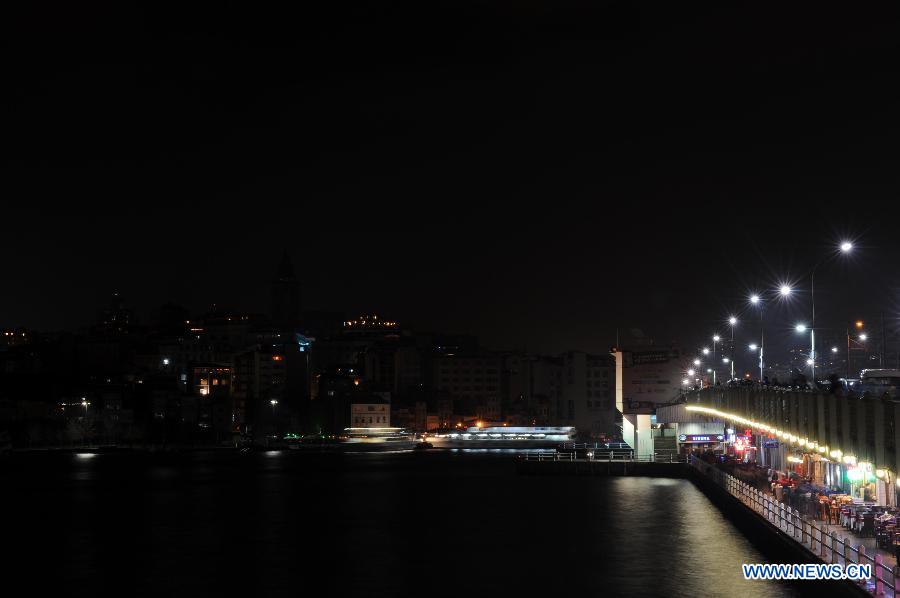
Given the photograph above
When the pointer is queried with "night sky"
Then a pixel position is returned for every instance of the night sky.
(536, 173)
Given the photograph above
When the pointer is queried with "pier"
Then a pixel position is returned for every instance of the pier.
(610, 463)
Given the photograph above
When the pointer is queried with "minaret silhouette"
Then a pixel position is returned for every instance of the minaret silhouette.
(285, 295)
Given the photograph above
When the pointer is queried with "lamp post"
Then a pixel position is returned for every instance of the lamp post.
(845, 247)
(715, 339)
(801, 328)
(757, 302)
(757, 348)
(733, 322)
(861, 339)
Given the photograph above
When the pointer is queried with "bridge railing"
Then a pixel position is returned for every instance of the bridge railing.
(826, 545)
(604, 457)
(599, 446)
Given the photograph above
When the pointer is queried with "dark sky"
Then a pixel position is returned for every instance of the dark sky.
(538, 173)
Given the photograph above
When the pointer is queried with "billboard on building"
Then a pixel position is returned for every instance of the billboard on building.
(648, 377)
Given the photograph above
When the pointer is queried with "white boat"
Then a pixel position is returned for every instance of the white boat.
(377, 439)
(503, 437)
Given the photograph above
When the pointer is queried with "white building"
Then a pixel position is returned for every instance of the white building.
(645, 377)
(370, 415)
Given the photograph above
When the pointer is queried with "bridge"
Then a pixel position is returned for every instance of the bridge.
(829, 433)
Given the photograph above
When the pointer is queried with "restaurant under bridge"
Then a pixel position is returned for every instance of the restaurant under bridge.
(840, 442)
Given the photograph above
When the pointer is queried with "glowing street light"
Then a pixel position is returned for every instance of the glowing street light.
(834, 349)
(756, 302)
(733, 321)
(845, 247)
(800, 328)
(705, 351)
(753, 346)
(725, 360)
(716, 338)
(696, 362)
(863, 336)
(785, 290)
(809, 362)
(690, 372)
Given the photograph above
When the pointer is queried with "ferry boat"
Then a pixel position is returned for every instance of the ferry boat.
(377, 439)
(503, 437)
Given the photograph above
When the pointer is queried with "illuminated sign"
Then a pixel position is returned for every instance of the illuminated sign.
(701, 438)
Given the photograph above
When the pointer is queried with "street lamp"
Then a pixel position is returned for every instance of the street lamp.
(845, 248)
(801, 328)
(862, 338)
(696, 362)
(756, 302)
(733, 322)
(785, 290)
(715, 339)
(705, 351)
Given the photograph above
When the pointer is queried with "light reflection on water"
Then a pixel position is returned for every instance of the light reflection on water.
(398, 524)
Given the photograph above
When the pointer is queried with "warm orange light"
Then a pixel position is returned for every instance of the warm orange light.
(356, 382)
(277, 358)
(859, 323)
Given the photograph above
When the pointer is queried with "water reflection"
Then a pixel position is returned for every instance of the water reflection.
(396, 524)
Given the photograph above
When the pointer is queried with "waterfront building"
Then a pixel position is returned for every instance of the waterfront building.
(473, 381)
(677, 430)
(646, 376)
(370, 412)
(587, 395)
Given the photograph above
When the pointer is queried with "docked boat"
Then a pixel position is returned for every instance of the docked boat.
(523, 437)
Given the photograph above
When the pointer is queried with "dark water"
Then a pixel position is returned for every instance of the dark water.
(285, 524)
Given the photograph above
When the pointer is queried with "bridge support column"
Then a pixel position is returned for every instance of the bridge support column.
(636, 430)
